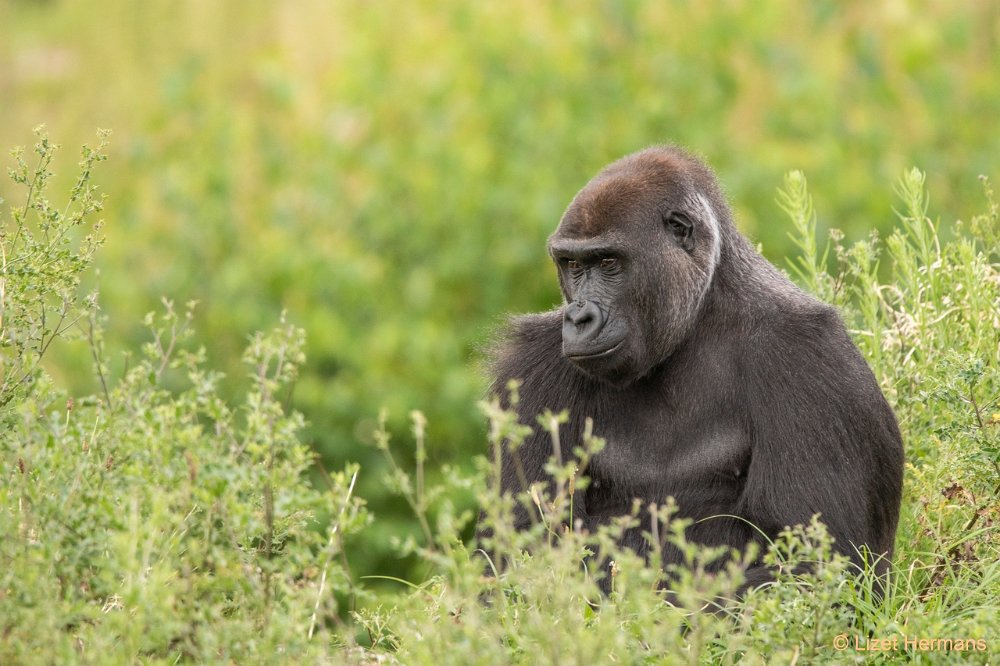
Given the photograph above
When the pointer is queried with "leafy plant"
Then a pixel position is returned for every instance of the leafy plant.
(930, 333)
(389, 173)
(159, 520)
(154, 521)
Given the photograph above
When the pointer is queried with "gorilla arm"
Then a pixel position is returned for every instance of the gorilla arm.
(824, 439)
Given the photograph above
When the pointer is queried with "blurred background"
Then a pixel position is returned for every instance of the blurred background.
(388, 171)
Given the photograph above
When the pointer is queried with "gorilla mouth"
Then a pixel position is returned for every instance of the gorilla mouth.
(589, 356)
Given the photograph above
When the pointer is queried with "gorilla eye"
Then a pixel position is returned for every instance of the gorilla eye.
(572, 264)
(608, 262)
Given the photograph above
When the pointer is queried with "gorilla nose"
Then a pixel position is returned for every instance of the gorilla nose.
(583, 320)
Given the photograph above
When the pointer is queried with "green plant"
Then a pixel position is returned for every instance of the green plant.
(389, 173)
(161, 521)
(153, 521)
(930, 333)
(40, 267)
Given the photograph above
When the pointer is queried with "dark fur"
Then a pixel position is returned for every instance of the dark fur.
(738, 394)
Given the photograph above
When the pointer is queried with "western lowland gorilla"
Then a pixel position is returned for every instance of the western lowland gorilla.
(713, 379)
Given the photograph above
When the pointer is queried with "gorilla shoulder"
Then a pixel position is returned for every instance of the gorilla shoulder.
(530, 351)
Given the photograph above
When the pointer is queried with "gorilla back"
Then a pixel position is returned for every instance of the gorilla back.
(713, 378)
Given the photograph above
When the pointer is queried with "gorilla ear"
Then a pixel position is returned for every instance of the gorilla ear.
(681, 228)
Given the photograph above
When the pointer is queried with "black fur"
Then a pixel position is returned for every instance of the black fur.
(734, 392)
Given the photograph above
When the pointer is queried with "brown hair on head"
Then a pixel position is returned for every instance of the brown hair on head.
(628, 183)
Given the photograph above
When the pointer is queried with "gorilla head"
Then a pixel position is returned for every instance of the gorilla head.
(659, 211)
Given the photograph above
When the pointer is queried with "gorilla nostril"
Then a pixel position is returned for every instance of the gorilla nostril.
(581, 316)
(586, 318)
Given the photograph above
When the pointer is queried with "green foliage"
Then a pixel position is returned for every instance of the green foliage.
(389, 171)
(159, 521)
(388, 174)
(930, 332)
(151, 522)
(40, 268)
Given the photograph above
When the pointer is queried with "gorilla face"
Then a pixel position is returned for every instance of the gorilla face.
(636, 251)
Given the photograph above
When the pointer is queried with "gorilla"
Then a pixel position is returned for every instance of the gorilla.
(713, 378)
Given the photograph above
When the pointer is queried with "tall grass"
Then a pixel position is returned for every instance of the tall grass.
(389, 171)
(158, 521)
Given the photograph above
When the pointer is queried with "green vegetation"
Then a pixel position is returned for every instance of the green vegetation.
(386, 173)
(158, 521)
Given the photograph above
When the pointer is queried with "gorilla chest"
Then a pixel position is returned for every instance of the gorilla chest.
(698, 455)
